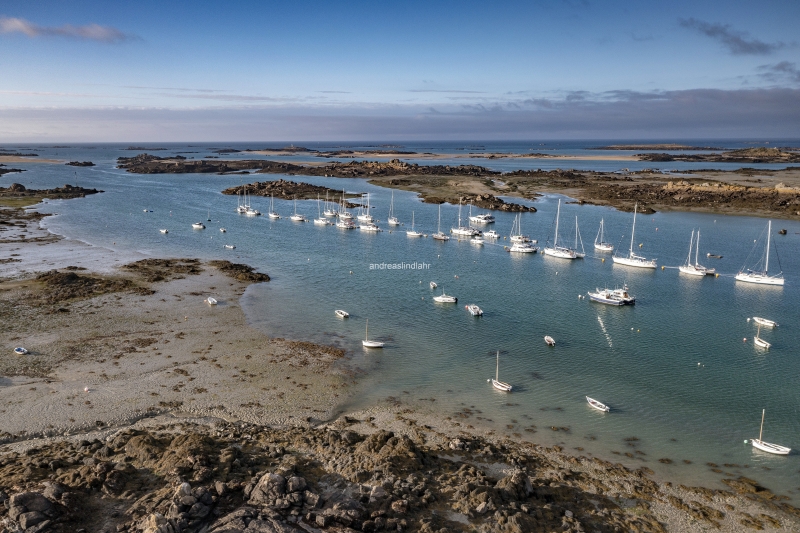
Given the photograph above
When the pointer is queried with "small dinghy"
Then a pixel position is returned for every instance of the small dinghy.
(211, 301)
(230, 246)
(474, 310)
(341, 313)
(600, 406)
(164, 231)
(768, 446)
(222, 230)
(19, 350)
(549, 340)
(433, 285)
(765, 322)
(198, 225)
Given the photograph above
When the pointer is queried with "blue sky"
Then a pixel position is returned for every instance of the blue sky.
(238, 71)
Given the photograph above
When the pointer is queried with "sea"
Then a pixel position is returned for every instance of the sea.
(684, 381)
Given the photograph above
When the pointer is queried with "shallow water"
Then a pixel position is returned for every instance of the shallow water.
(673, 367)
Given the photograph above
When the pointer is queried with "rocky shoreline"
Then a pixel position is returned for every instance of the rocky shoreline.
(746, 156)
(17, 192)
(288, 190)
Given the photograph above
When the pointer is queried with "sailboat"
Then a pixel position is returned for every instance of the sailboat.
(439, 236)
(761, 276)
(766, 446)
(329, 211)
(556, 250)
(297, 217)
(582, 253)
(633, 259)
(413, 232)
(368, 343)
(463, 231)
(241, 207)
(517, 225)
(364, 216)
(343, 212)
(695, 269)
(599, 243)
(496, 383)
(272, 213)
(758, 341)
(321, 220)
(392, 220)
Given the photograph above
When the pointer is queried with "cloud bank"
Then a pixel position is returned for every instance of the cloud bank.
(736, 42)
(89, 32)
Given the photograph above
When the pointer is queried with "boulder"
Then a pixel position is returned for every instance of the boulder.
(268, 489)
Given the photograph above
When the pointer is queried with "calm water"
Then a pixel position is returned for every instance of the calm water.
(673, 367)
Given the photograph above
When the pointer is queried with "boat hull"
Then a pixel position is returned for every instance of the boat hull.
(604, 247)
(761, 279)
(770, 448)
(501, 386)
(765, 322)
(635, 262)
(761, 343)
(604, 300)
(561, 253)
(600, 406)
(372, 344)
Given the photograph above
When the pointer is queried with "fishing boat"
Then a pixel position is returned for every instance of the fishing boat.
(433, 285)
(19, 350)
(445, 298)
(758, 341)
(474, 310)
(364, 216)
(765, 322)
(463, 231)
(368, 343)
(767, 446)
(612, 297)
(523, 248)
(198, 225)
(413, 232)
(600, 406)
(695, 269)
(164, 231)
(517, 226)
(632, 259)
(272, 213)
(369, 226)
(392, 220)
(549, 340)
(761, 276)
(439, 236)
(599, 243)
(230, 246)
(555, 250)
(341, 313)
(491, 234)
(329, 211)
(496, 383)
(297, 217)
(211, 301)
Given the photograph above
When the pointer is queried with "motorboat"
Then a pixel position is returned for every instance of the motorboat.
(433, 285)
(413, 232)
(198, 225)
(369, 226)
(341, 313)
(19, 350)
(345, 223)
(695, 268)
(222, 230)
(599, 243)
(496, 383)
(549, 340)
(632, 259)
(761, 276)
(555, 250)
(483, 218)
(491, 234)
(211, 301)
(474, 310)
(600, 406)
(164, 231)
(612, 297)
(230, 246)
(765, 322)
(477, 241)
(767, 446)
(445, 298)
(523, 247)
(368, 343)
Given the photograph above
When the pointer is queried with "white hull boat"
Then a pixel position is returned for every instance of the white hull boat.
(345, 223)
(321, 221)
(767, 446)
(445, 298)
(758, 341)
(368, 343)
(222, 230)
(392, 220)
(272, 213)
(632, 259)
(762, 277)
(600, 406)
(695, 269)
(609, 297)
(561, 252)
(211, 301)
(19, 350)
(599, 242)
(496, 383)
(474, 310)
(341, 313)
(364, 216)
(476, 241)
(484, 218)
(413, 232)
(230, 246)
(369, 226)
(463, 231)
(198, 225)
(433, 285)
(765, 322)
(549, 340)
(328, 211)
(164, 231)
(491, 234)
(297, 217)
(523, 248)
(253, 212)
(439, 236)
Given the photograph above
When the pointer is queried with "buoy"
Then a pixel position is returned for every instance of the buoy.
(603, 260)
(662, 267)
(86, 389)
(638, 330)
(744, 339)
(698, 364)
(640, 244)
(631, 329)
(716, 275)
(351, 272)
(656, 229)
(748, 319)
(745, 440)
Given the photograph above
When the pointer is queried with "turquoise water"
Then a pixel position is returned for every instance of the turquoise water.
(641, 360)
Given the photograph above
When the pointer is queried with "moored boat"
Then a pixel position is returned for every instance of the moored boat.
(445, 298)
(761, 276)
(474, 310)
(632, 259)
(198, 225)
(341, 313)
(600, 406)
(19, 350)
(549, 340)
(496, 383)
(765, 322)
(612, 297)
(165, 231)
(368, 343)
(768, 446)
(211, 301)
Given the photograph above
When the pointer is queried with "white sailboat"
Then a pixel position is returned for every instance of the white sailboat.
(578, 238)
(516, 225)
(343, 212)
(599, 242)
(439, 236)
(695, 269)
(392, 220)
(272, 213)
(767, 446)
(520, 243)
(496, 383)
(413, 232)
(329, 211)
(463, 231)
(297, 217)
(761, 276)
(241, 207)
(632, 259)
(758, 341)
(555, 250)
(364, 216)
(767, 323)
(321, 220)
(249, 211)
(368, 343)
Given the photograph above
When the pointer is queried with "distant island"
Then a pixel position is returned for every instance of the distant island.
(665, 146)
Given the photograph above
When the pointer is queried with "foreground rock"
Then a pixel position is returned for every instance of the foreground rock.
(17, 190)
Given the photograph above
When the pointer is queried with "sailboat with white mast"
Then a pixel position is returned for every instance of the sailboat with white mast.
(329, 211)
(463, 231)
(321, 220)
(578, 238)
(762, 276)
(343, 212)
(767, 446)
(496, 383)
(368, 343)
(364, 216)
(297, 217)
(272, 213)
(555, 250)
(439, 236)
(695, 269)
(392, 220)
(413, 232)
(599, 243)
(520, 243)
(632, 259)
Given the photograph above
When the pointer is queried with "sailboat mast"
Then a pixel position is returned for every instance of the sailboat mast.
(366, 331)
(439, 223)
(634, 225)
(576, 232)
(761, 431)
(691, 242)
(697, 247)
(558, 214)
(769, 230)
(497, 371)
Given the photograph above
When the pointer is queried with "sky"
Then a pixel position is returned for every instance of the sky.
(437, 70)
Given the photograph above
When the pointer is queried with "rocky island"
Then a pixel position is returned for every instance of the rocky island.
(80, 164)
